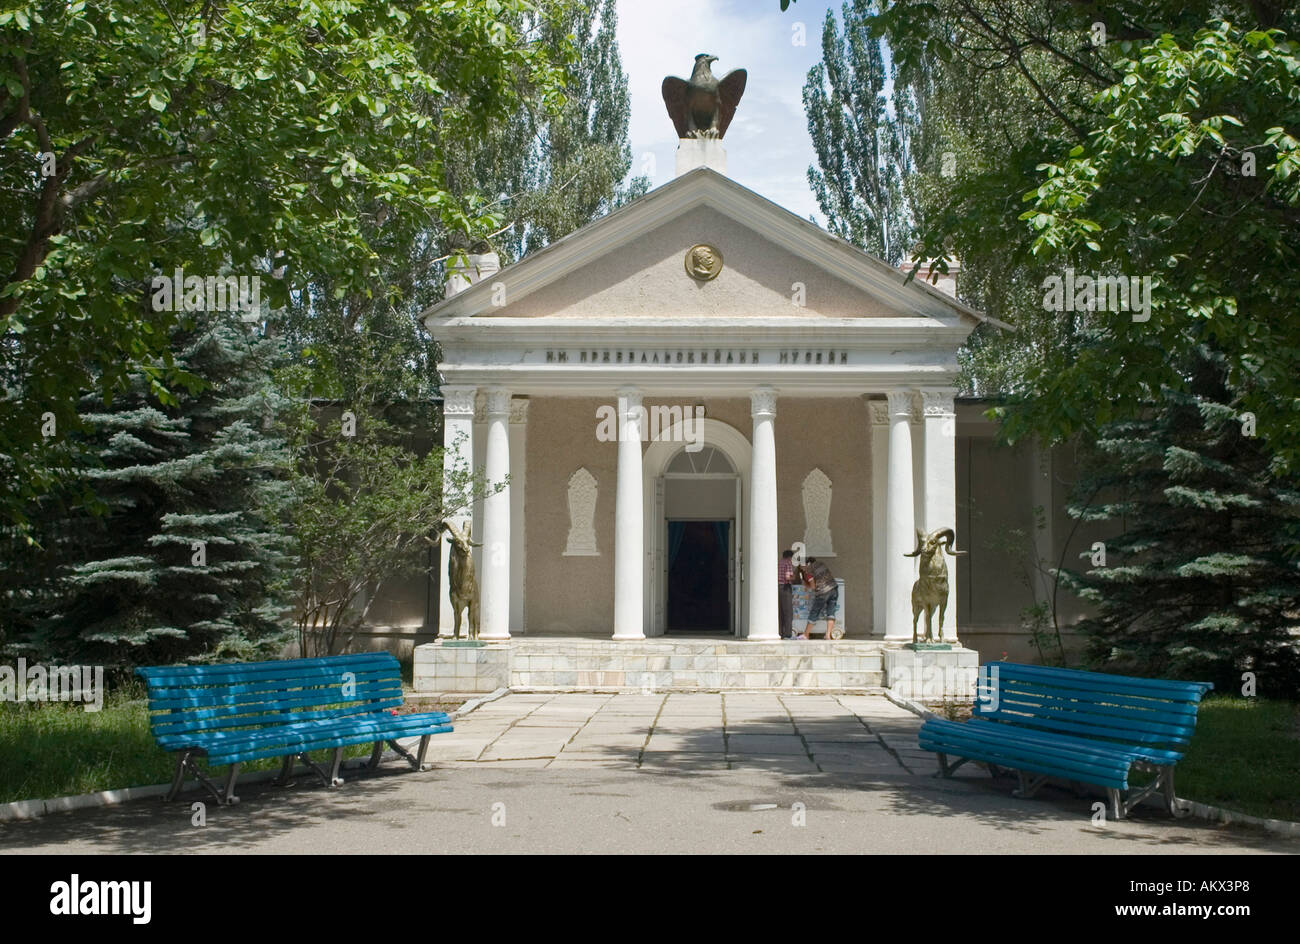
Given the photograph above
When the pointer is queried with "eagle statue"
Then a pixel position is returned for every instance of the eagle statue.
(703, 106)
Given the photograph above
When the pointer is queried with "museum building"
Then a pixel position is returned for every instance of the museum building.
(682, 389)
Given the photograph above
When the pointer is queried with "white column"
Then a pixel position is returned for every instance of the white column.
(941, 485)
(629, 522)
(494, 584)
(519, 526)
(900, 535)
(457, 463)
(879, 420)
(918, 465)
(764, 549)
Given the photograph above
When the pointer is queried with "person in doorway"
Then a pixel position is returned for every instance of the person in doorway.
(825, 595)
(785, 579)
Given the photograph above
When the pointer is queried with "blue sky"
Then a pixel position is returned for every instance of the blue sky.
(768, 148)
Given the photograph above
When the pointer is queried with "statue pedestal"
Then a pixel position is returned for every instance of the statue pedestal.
(701, 152)
(464, 666)
(929, 675)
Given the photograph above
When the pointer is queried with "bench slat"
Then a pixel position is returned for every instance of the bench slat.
(1094, 767)
(200, 695)
(1087, 727)
(272, 718)
(324, 743)
(1105, 716)
(307, 738)
(1155, 755)
(234, 671)
(1104, 682)
(1175, 710)
(269, 701)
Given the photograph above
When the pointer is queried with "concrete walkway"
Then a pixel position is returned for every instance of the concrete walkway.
(810, 733)
(732, 773)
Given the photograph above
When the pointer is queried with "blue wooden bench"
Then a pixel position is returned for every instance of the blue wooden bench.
(236, 713)
(1083, 727)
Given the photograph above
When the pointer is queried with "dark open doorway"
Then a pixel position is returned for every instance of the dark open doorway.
(698, 598)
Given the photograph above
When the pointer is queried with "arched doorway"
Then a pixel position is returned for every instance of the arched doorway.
(701, 509)
(695, 531)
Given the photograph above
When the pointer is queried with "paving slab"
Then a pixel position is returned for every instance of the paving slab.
(765, 744)
(670, 743)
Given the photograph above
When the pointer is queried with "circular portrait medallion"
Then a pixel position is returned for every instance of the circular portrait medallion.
(703, 262)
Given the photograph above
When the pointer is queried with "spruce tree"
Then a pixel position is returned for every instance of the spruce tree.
(1201, 581)
(183, 556)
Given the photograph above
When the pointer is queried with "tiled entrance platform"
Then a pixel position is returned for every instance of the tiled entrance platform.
(863, 735)
(567, 663)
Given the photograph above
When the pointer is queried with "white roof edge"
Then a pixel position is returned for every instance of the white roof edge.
(874, 269)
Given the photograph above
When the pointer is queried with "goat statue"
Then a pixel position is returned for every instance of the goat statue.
(462, 586)
(931, 588)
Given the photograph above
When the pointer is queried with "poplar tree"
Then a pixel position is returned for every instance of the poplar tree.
(863, 136)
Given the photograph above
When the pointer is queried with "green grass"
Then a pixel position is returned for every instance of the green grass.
(1245, 756)
(59, 749)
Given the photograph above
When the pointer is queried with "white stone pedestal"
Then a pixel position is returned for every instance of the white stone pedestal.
(440, 667)
(701, 152)
(929, 675)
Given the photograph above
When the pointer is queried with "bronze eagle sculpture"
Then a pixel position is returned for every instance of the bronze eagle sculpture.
(703, 106)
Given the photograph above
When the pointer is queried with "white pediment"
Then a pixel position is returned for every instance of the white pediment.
(631, 265)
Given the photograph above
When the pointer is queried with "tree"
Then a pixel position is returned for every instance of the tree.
(185, 557)
(863, 137)
(1162, 140)
(370, 498)
(1201, 582)
(260, 137)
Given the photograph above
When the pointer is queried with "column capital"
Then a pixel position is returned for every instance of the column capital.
(762, 400)
(629, 398)
(519, 412)
(901, 402)
(458, 400)
(879, 410)
(496, 401)
(937, 401)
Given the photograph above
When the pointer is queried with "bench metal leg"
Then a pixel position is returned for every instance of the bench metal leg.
(946, 769)
(1171, 801)
(286, 771)
(185, 763)
(228, 797)
(335, 780)
(1164, 782)
(405, 754)
(424, 749)
(1028, 785)
(415, 760)
(179, 779)
(1117, 809)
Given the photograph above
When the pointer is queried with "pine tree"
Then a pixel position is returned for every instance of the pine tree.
(1202, 582)
(184, 557)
